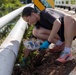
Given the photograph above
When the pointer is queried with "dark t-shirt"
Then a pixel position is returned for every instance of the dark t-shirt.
(47, 18)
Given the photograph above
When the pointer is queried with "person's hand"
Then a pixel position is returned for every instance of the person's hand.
(44, 45)
(24, 60)
(23, 63)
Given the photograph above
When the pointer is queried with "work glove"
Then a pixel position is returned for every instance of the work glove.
(44, 45)
(23, 62)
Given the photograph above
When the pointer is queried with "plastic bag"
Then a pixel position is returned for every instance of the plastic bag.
(32, 44)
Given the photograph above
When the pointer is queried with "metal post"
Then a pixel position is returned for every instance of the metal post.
(9, 48)
(7, 18)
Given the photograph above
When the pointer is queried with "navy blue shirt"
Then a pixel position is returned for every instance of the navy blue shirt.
(47, 18)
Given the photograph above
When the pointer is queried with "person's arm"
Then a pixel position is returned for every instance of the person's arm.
(55, 29)
(52, 18)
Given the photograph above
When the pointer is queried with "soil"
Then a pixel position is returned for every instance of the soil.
(45, 64)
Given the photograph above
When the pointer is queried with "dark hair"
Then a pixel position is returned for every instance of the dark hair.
(27, 11)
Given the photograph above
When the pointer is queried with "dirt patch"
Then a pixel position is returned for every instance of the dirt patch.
(45, 65)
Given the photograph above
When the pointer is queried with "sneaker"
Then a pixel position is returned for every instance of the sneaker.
(57, 48)
(64, 57)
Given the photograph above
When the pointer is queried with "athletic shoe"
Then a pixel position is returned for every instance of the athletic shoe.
(64, 57)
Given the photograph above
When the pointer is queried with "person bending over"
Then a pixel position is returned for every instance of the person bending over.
(52, 26)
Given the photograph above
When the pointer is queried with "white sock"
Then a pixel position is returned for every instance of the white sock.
(59, 42)
(67, 49)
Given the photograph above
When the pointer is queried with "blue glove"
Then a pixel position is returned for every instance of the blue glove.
(23, 62)
(45, 45)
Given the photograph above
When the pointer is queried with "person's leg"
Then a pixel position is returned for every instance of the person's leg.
(75, 28)
(69, 24)
(43, 34)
